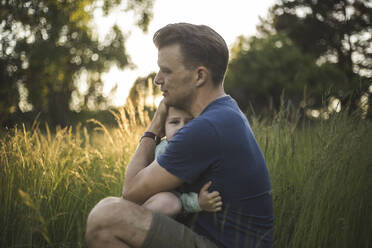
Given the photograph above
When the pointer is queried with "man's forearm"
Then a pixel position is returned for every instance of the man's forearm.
(143, 156)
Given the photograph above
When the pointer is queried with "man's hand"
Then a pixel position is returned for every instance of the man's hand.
(210, 202)
(157, 125)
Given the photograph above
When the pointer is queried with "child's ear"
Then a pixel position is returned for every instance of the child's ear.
(202, 75)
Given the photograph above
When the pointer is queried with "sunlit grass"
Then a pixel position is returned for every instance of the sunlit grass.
(320, 174)
(49, 182)
(321, 178)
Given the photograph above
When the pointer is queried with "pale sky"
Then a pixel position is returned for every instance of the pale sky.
(229, 18)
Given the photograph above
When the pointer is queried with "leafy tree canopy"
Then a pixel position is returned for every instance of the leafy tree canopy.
(45, 45)
(307, 49)
(338, 31)
(261, 69)
(144, 91)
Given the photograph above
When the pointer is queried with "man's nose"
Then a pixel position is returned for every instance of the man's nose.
(158, 79)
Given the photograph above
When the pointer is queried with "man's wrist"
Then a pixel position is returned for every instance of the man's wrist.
(154, 131)
(151, 135)
(157, 128)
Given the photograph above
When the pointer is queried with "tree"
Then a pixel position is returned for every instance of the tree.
(337, 31)
(144, 91)
(261, 69)
(46, 44)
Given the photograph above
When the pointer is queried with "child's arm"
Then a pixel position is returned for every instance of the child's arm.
(206, 201)
(190, 202)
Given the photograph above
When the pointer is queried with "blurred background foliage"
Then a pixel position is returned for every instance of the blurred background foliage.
(310, 51)
(46, 45)
(144, 91)
(263, 68)
(307, 53)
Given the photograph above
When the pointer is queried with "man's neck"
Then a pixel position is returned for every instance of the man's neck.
(204, 98)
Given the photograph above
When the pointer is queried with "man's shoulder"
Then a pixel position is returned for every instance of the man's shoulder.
(200, 127)
(206, 128)
(224, 111)
(224, 104)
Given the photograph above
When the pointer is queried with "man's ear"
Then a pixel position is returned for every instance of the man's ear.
(202, 75)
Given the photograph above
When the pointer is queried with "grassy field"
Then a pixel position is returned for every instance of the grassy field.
(320, 172)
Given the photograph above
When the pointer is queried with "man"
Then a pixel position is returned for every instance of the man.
(217, 145)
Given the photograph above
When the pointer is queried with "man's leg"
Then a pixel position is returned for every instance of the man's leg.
(116, 222)
(165, 202)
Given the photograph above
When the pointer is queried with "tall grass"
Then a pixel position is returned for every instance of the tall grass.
(320, 173)
(321, 177)
(49, 183)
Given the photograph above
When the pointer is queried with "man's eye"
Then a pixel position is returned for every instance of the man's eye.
(174, 122)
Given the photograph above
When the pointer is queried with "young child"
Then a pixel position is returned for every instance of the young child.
(172, 203)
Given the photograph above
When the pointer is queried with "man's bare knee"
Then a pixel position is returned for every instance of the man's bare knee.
(97, 221)
(114, 219)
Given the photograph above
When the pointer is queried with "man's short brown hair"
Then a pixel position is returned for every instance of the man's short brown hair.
(200, 45)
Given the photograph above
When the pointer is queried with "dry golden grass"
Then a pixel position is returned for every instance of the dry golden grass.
(320, 175)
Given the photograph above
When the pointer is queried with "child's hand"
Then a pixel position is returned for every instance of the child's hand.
(210, 202)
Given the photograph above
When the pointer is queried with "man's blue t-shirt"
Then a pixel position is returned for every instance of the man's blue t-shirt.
(219, 146)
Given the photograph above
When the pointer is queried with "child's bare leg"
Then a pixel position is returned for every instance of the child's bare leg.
(165, 202)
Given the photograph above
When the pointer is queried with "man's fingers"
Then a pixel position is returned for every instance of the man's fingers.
(163, 107)
(206, 186)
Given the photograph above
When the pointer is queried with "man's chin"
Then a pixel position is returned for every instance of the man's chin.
(171, 103)
(167, 102)
(176, 104)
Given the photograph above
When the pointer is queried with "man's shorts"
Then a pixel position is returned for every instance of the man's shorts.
(165, 232)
